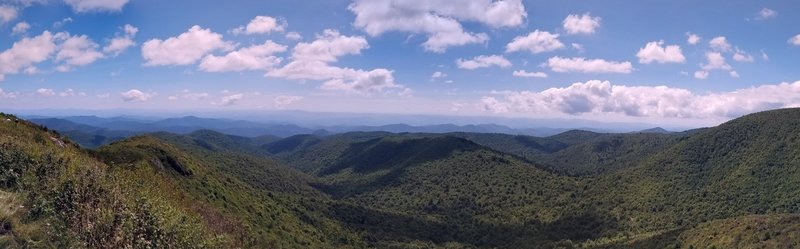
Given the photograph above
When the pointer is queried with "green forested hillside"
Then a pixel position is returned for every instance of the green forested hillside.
(732, 186)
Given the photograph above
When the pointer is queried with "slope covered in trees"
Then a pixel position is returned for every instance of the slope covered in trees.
(374, 189)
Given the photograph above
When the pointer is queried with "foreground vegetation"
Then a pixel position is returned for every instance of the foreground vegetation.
(732, 186)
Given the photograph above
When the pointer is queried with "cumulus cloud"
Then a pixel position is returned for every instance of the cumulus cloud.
(186, 94)
(715, 61)
(135, 95)
(261, 25)
(46, 92)
(20, 28)
(742, 56)
(256, 57)
(230, 100)
(7, 13)
(96, 5)
(440, 20)
(583, 65)
(719, 43)
(581, 24)
(602, 97)
(692, 39)
(535, 42)
(795, 40)
(657, 52)
(76, 50)
(526, 74)
(437, 75)
(701, 75)
(294, 36)
(766, 13)
(483, 61)
(312, 61)
(7, 95)
(25, 53)
(184, 49)
(285, 100)
(733, 74)
(59, 24)
(122, 42)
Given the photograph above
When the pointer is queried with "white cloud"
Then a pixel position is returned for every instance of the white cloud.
(122, 42)
(720, 43)
(285, 100)
(437, 75)
(7, 95)
(294, 36)
(7, 13)
(184, 49)
(256, 57)
(25, 53)
(655, 52)
(438, 19)
(76, 50)
(231, 99)
(602, 97)
(795, 40)
(45, 92)
(526, 74)
(766, 13)
(20, 28)
(190, 95)
(733, 74)
(135, 95)
(261, 25)
(311, 61)
(61, 23)
(583, 24)
(692, 39)
(764, 55)
(583, 65)
(96, 5)
(578, 47)
(701, 75)
(715, 61)
(535, 42)
(742, 56)
(483, 61)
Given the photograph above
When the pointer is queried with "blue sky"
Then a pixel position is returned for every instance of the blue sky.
(602, 60)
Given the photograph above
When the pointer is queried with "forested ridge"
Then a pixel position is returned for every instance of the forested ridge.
(736, 185)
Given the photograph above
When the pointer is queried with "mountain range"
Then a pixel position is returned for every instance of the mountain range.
(187, 183)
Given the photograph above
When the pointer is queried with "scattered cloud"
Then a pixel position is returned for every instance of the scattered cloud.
(46, 92)
(764, 55)
(526, 74)
(602, 97)
(59, 24)
(256, 57)
(7, 95)
(701, 75)
(742, 56)
(583, 65)
(795, 40)
(25, 53)
(581, 24)
(76, 50)
(285, 100)
(294, 36)
(733, 74)
(483, 61)
(81, 6)
(578, 47)
(715, 61)
(7, 13)
(439, 20)
(719, 43)
(312, 61)
(120, 43)
(692, 39)
(657, 52)
(231, 99)
(437, 75)
(766, 13)
(261, 25)
(135, 95)
(184, 49)
(535, 42)
(20, 28)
